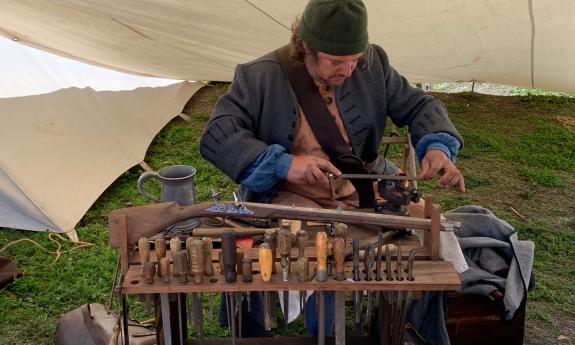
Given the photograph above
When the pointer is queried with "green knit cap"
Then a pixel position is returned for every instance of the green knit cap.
(335, 27)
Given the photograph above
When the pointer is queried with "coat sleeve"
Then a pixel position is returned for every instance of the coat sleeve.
(229, 141)
(411, 106)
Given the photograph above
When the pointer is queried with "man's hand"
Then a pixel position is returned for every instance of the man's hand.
(310, 170)
(436, 162)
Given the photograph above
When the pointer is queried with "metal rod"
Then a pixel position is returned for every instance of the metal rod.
(321, 318)
(166, 322)
(375, 177)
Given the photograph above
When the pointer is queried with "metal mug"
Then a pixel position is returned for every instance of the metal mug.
(177, 182)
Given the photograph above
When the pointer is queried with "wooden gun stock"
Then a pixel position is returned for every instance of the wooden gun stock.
(145, 221)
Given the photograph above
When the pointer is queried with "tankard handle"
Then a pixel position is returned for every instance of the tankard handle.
(145, 176)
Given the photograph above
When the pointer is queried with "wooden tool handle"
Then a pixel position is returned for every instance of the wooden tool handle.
(143, 251)
(149, 271)
(340, 230)
(208, 248)
(180, 265)
(301, 241)
(247, 270)
(160, 247)
(175, 244)
(164, 269)
(229, 255)
(197, 260)
(303, 267)
(265, 261)
(321, 253)
(284, 242)
(339, 257)
(189, 242)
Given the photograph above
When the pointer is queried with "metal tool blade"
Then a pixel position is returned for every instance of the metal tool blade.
(166, 324)
(198, 315)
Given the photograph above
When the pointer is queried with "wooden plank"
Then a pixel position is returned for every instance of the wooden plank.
(145, 166)
(124, 257)
(429, 276)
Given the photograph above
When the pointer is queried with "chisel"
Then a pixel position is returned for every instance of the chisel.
(356, 293)
(284, 248)
(265, 262)
(321, 276)
(196, 253)
(209, 269)
(339, 258)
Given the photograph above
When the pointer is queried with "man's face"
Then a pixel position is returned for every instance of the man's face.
(332, 69)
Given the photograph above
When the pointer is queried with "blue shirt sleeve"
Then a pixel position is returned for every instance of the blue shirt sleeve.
(267, 170)
(441, 141)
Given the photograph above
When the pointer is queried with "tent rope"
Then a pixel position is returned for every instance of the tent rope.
(53, 237)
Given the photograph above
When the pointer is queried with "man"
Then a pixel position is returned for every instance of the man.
(261, 138)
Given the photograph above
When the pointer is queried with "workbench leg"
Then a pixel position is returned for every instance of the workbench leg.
(125, 334)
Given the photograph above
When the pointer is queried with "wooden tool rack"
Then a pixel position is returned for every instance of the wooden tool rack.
(430, 273)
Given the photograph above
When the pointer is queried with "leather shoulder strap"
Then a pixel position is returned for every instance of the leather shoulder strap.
(319, 118)
(323, 125)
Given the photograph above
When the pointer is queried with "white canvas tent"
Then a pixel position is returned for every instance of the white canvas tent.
(514, 42)
(68, 130)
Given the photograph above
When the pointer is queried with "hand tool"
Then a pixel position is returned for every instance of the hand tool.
(180, 259)
(247, 270)
(265, 262)
(284, 243)
(378, 260)
(399, 262)
(165, 269)
(301, 242)
(144, 251)
(175, 244)
(364, 243)
(368, 263)
(329, 265)
(388, 269)
(209, 269)
(221, 261)
(340, 230)
(368, 260)
(229, 256)
(197, 262)
(321, 317)
(410, 260)
(149, 272)
(321, 254)
(189, 242)
(196, 254)
(239, 259)
(321, 276)
(270, 239)
(303, 267)
(339, 257)
(247, 278)
(160, 247)
(180, 265)
(356, 293)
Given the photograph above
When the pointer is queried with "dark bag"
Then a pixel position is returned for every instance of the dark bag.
(8, 271)
(92, 324)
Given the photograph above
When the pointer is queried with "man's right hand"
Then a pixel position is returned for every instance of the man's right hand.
(310, 170)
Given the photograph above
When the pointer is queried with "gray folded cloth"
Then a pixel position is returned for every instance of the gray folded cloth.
(497, 260)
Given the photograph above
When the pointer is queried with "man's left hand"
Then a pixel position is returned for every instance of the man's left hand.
(436, 162)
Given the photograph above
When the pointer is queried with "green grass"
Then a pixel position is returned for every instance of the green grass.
(518, 161)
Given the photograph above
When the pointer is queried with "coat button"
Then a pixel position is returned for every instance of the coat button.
(290, 137)
(293, 124)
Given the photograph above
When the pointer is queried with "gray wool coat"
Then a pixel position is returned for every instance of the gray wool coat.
(260, 109)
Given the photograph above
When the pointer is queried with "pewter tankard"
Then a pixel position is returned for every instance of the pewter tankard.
(177, 182)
